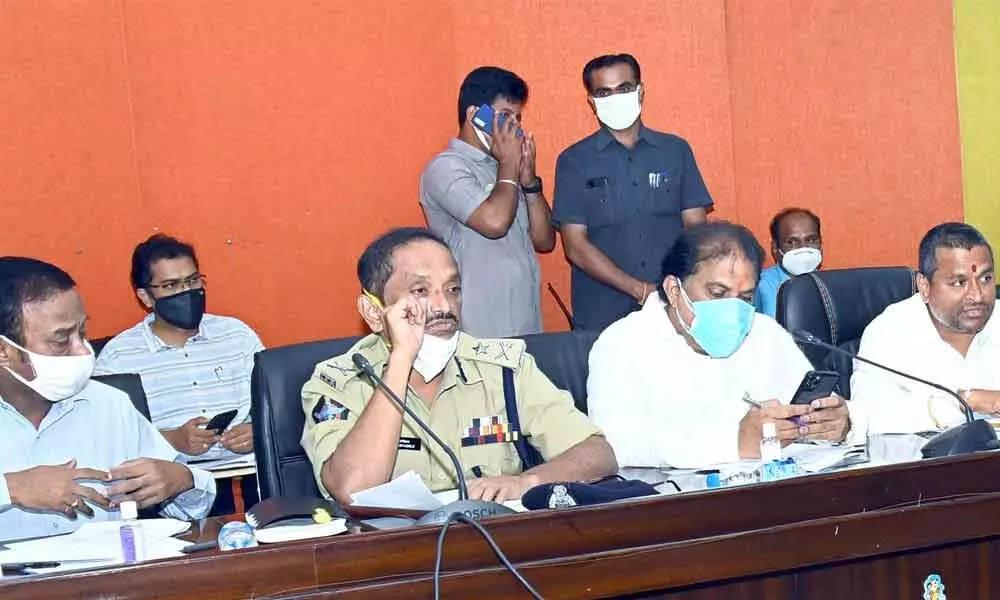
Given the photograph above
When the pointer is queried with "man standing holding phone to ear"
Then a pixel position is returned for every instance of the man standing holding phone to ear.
(483, 196)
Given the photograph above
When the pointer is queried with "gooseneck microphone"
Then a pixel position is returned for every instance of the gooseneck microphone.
(474, 509)
(975, 435)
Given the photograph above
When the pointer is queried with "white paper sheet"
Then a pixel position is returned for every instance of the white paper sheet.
(408, 491)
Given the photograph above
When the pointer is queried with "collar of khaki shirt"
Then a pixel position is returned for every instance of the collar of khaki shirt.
(462, 368)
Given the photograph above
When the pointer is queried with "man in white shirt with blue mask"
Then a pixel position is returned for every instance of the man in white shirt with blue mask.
(667, 383)
(72, 449)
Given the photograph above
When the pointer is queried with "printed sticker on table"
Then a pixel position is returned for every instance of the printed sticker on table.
(934, 588)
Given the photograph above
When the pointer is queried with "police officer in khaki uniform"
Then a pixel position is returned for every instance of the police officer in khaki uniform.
(355, 436)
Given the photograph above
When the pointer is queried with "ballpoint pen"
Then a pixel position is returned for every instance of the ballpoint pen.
(746, 398)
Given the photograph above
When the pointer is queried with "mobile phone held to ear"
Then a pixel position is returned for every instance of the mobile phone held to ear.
(483, 119)
(816, 385)
(220, 421)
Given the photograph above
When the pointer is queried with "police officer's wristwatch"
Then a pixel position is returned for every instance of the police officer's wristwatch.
(533, 189)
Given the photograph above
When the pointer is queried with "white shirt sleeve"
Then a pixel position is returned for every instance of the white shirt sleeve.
(5, 502)
(616, 403)
(646, 424)
(891, 403)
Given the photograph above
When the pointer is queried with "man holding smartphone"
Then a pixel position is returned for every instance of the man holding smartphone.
(690, 380)
(483, 196)
(194, 366)
(622, 196)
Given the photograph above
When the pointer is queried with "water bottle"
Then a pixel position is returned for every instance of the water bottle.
(770, 447)
(235, 535)
(130, 534)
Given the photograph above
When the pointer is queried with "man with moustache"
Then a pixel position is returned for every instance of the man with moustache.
(945, 333)
(357, 438)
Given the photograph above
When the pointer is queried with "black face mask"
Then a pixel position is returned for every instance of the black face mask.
(183, 310)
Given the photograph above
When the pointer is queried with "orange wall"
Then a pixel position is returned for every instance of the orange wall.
(281, 137)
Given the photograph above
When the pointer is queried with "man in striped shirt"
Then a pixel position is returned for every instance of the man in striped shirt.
(193, 365)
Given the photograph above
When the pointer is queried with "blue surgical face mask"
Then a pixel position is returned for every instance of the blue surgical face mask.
(719, 326)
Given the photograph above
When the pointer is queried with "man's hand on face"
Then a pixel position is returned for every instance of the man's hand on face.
(57, 488)
(500, 489)
(506, 144)
(404, 322)
(149, 481)
(528, 176)
(752, 425)
(828, 420)
(190, 438)
(239, 439)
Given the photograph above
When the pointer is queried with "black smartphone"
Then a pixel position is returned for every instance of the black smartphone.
(220, 421)
(816, 385)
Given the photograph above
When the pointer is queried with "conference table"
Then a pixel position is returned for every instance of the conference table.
(873, 533)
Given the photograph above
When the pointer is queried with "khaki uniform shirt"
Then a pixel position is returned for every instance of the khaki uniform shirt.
(468, 414)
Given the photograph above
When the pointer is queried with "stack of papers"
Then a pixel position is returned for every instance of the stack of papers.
(222, 464)
(96, 545)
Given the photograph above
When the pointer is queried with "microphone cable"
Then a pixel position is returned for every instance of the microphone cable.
(456, 517)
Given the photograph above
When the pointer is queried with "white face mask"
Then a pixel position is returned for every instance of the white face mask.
(434, 355)
(801, 260)
(483, 139)
(57, 377)
(618, 111)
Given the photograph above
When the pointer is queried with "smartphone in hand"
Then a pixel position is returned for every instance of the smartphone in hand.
(816, 385)
(219, 422)
(483, 120)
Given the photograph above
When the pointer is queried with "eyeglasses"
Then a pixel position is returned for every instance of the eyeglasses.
(196, 281)
(626, 88)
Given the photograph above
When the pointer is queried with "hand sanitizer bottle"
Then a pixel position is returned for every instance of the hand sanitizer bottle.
(770, 447)
(130, 533)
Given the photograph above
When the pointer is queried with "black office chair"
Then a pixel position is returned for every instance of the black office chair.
(836, 306)
(98, 344)
(131, 384)
(563, 359)
(283, 469)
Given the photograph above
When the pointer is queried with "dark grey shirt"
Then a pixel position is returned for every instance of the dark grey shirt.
(501, 285)
(631, 203)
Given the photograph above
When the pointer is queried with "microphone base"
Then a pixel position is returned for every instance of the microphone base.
(977, 436)
(477, 510)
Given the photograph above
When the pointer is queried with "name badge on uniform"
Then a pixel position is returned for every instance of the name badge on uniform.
(659, 180)
(409, 443)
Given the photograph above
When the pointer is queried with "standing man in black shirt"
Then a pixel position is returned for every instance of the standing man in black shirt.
(622, 196)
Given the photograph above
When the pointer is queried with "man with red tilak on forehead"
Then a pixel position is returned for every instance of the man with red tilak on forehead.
(945, 333)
